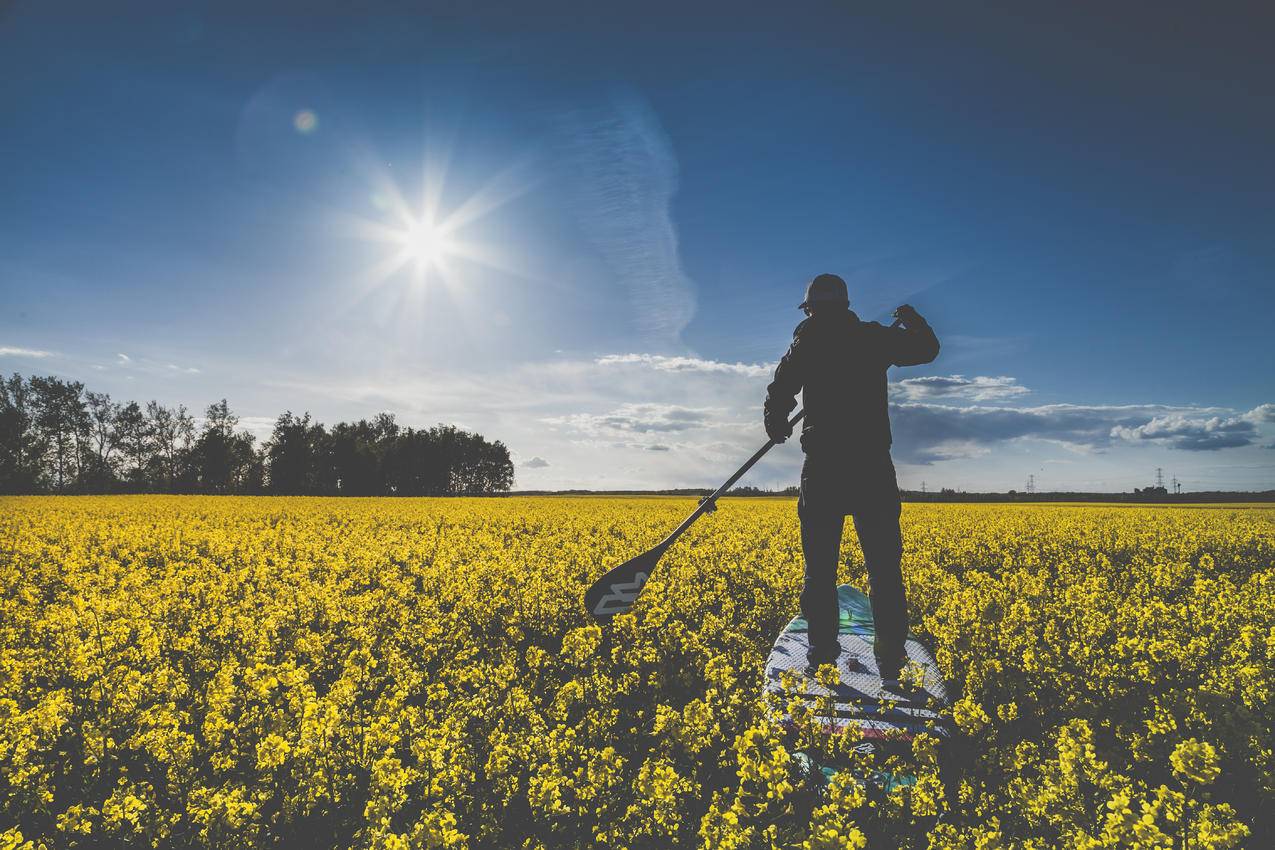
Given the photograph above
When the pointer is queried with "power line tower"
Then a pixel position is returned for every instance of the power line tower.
(1031, 483)
(1159, 478)
(1177, 486)
(922, 486)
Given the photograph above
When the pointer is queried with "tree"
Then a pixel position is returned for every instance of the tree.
(495, 467)
(134, 440)
(225, 461)
(55, 436)
(353, 456)
(62, 419)
(170, 436)
(293, 455)
(104, 440)
(445, 461)
(22, 446)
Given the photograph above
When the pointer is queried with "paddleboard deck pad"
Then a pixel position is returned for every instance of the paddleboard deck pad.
(888, 718)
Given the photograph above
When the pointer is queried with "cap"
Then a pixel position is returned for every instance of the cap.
(826, 289)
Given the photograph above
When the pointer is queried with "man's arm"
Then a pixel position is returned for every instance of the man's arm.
(781, 393)
(914, 343)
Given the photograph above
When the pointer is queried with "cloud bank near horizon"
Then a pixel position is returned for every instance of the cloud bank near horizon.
(642, 420)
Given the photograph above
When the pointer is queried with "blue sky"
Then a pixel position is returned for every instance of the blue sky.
(213, 200)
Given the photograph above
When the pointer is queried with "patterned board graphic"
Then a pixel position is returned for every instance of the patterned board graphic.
(860, 699)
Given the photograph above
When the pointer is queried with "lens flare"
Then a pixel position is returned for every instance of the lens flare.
(305, 122)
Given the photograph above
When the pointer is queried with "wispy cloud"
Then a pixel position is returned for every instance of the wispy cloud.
(121, 361)
(978, 388)
(146, 364)
(16, 351)
(622, 173)
(663, 363)
(629, 419)
(535, 463)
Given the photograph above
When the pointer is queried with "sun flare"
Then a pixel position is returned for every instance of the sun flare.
(433, 253)
(428, 244)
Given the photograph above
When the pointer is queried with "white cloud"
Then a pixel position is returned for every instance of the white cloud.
(664, 363)
(620, 167)
(630, 419)
(925, 433)
(978, 388)
(1261, 414)
(15, 351)
(1189, 433)
(150, 366)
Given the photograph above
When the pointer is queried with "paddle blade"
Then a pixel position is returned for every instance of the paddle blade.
(616, 591)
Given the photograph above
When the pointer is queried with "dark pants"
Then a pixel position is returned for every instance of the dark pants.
(831, 488)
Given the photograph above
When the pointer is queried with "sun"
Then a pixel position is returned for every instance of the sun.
(428, 245)
(432, 250)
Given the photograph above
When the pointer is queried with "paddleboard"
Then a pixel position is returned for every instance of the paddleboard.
(889, 718)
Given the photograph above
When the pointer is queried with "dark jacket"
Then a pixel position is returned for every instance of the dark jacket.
(839, 364)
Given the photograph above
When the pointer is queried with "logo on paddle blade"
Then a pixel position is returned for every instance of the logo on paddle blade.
(621, 598)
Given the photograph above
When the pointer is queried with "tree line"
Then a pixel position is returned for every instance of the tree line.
(56, 437)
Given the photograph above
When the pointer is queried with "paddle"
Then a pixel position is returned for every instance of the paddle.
(616, 591)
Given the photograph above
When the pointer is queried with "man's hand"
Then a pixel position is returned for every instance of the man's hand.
(777, 428)
(908, 315)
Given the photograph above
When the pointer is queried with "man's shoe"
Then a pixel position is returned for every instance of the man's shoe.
(891, 679)
(814, 662)
(902, 688)
(890, 670)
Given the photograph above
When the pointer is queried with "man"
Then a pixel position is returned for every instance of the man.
(839, 363)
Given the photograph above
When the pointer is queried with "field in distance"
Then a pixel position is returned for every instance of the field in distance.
(252, 672)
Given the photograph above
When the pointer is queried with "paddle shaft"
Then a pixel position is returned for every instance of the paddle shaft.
(707, 504)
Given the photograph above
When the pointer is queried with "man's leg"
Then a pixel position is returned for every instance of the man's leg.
(878, 530)
(821, 545)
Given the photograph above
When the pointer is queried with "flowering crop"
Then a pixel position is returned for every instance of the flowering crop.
(244, 672)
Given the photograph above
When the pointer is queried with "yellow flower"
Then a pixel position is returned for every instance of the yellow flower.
(1195, 761)
(420, 673)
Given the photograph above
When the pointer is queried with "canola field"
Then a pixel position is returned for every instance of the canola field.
(275, 672)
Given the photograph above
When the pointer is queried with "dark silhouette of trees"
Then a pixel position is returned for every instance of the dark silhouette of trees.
(104, 440)
(134, 442)
(171, 435)
(293, 455)
(355, 456)
(445, 459)
(56, 437)
(62, 420)
(22, 446)
(224, 459)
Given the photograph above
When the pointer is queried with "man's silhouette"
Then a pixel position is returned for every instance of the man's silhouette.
(839, 364)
